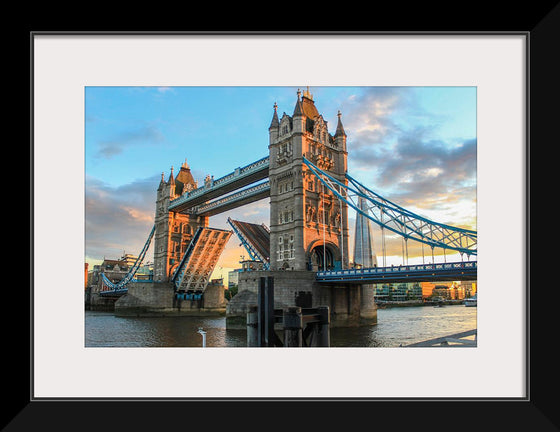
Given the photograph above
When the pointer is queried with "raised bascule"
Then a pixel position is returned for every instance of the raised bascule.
(305, 248)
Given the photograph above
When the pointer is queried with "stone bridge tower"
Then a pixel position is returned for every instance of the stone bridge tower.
(174, 230)
(308, 224)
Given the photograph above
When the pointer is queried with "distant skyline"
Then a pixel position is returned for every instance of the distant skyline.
(416, 146)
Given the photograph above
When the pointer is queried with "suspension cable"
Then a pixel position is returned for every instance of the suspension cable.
(128, 277)
(341, 235)
(401, 221)
(324, 233)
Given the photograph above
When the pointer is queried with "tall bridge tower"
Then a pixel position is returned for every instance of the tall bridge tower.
(174, 230)
(308, 225)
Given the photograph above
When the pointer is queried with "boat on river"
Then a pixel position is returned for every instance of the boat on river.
(471, 301)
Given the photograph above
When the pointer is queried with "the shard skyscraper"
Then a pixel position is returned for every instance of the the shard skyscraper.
(364, 252)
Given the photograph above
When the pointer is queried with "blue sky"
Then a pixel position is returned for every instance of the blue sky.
(414, 145)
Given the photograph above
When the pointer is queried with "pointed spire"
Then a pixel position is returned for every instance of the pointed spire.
(184, 178)
(339, 127)
(298, 110)
(171, 180)
(274, 123)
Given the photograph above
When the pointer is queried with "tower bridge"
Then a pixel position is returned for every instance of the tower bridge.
(306, 246)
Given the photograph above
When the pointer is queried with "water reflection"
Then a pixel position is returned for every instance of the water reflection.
(395, 326)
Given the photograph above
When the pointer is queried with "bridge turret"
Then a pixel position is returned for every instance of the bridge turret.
(184, 182)
(340, 135)
(161, 183)
(298, 117)
(274, 126)
(171, 184)
(173, 230)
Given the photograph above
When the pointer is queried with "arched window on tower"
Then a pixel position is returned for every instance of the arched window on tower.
(292, 248)
(280, 248)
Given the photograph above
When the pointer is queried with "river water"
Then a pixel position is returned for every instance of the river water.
(396, 326)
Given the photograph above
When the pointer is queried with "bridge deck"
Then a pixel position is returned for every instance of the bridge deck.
(410, 273)
(257, 235)
(200, 258)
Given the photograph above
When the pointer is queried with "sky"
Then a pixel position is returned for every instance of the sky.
(415, 146)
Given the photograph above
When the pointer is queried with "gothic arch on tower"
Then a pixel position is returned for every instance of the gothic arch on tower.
(322, 255)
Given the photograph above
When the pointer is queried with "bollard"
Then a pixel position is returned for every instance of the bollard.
(293, 327)
(265, 300)
(252, 327)
(203, 333)
(323, 328)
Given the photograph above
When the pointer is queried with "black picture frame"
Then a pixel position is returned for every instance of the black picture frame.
(539, 411)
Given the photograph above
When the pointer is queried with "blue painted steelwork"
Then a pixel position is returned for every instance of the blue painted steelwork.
(464, 270)
(114, 292)
(188, 296)
(120, 287)
(252, 251)
(395, 218)
(247, 171)
(237, 199)
(179, 273)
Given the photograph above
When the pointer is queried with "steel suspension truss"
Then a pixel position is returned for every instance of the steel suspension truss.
(128, 277)
(395, 218)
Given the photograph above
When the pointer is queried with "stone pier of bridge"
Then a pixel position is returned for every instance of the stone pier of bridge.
(349, 305)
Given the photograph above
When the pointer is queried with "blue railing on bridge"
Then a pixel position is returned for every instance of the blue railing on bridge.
(398, 271)
(229, 178)
(124, 289)
(244, 194)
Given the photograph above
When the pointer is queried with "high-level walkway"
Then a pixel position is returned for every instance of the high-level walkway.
(233, 181)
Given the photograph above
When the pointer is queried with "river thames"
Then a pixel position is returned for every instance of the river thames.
(396, 326)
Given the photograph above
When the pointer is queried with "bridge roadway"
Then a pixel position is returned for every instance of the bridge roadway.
(451, 271)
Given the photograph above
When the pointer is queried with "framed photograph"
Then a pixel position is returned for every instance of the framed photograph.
(75, 71)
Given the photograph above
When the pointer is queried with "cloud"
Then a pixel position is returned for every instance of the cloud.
(118, 219)
(150, 134)
(396, 149)
(368, 117)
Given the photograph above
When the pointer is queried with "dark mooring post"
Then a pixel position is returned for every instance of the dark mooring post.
(252, 326)
(323, 328)
(293, 323)
(265, 300)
